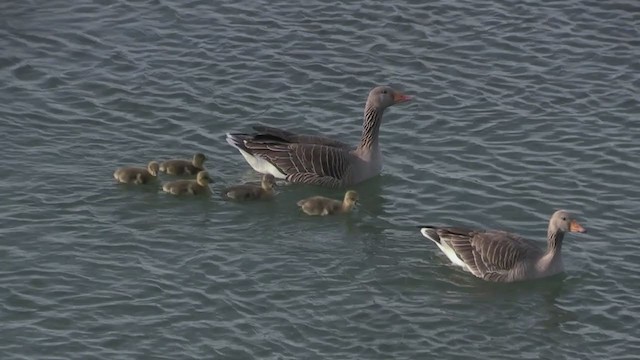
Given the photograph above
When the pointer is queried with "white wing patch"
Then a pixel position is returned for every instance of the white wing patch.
(447, 250)
(261, 165)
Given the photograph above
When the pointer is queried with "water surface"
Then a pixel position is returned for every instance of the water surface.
(519, 108)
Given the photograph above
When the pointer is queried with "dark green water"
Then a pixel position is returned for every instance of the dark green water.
(519, 108)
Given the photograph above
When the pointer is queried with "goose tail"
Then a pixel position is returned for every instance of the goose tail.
(257, 162)
(237, 141)
(430, 233)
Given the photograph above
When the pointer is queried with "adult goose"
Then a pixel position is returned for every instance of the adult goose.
(319, 160)
(501, 256)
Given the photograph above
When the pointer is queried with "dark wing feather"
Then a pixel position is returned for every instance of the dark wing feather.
(267, 133)
(489, 254)
(307, 159)
(314, 179)
(302, 162)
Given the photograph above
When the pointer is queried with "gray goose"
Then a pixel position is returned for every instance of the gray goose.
(189, 187)
(319, 160)
(501, 256)
(184, 167)
(322, 206)
(252, 192)
(136, 175)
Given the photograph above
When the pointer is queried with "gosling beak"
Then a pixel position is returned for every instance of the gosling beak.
(399, 97)
(575, 227)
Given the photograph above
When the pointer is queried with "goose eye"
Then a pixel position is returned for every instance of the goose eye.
(385, 91)
(564, 218)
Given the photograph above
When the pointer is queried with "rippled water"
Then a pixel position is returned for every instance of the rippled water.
(520, 108)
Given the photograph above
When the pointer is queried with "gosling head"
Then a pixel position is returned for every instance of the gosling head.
(203, 178)
(350, 199)
(268, 181)
(153, 168)
(198, 160)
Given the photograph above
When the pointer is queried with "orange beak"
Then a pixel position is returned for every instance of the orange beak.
(399, 97)
(575, 227)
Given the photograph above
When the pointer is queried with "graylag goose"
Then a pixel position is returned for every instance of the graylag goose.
(501, 256)
(184, 167)
(318, 160)
(189, 187)
(252, 192)
(322, 206)
(136, 175)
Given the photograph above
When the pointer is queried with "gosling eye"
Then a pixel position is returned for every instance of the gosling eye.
(564, 218)
(385, 91)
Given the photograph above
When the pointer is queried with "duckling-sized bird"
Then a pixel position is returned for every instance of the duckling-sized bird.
(322, 206)
(184, 167)
(136, 175)
(252, 192)
(501, 256)
(189, 187)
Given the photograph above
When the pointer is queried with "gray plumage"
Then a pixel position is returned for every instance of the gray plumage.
(501, 256)
(264, 132)
(189, 187)
(252, 192)
(319, 160)
(136, 175)
(184, 167)
(322, 206)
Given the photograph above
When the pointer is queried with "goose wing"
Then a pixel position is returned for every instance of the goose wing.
(313, 164)
(488, 254)
(270, 133)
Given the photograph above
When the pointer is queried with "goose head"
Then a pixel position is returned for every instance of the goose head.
(562, 221)
(384, 96)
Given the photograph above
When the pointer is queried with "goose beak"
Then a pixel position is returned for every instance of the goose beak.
(575, 227)
(399, 97)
